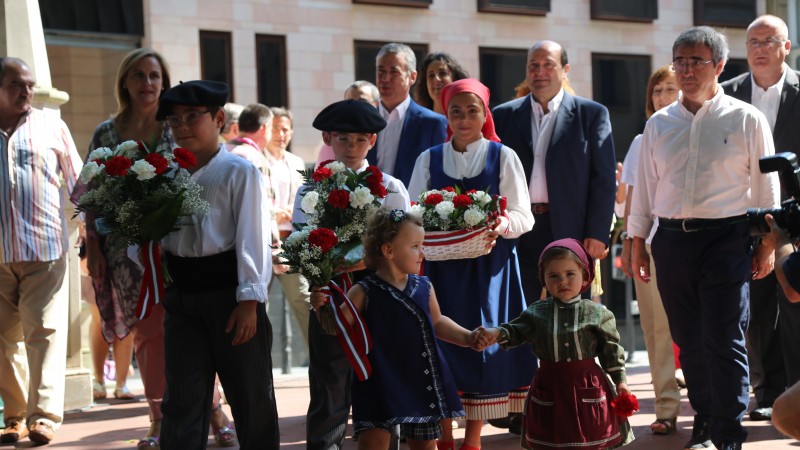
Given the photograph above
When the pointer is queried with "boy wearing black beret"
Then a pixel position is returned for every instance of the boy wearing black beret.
(215, 316)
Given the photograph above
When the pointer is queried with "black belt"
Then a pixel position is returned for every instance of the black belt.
(689, 225)
(204, 273)
(540, 208)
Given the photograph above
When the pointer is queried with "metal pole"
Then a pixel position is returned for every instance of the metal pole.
(287, 336)
(630, 331)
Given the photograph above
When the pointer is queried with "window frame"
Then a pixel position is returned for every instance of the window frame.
(699, 8)
(490, 6)
(281, 41)
(402, 3)
(227, 36)
(596, 13)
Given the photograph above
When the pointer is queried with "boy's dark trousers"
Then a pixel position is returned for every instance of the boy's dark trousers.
(196, 348)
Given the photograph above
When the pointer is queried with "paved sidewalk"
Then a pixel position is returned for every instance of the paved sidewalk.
(117, 425)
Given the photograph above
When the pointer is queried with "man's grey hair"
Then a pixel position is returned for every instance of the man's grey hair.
(373, 90)
(232, 112)
(706, 36)
(399, 49)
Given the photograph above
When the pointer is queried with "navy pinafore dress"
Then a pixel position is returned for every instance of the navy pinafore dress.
(482, 291)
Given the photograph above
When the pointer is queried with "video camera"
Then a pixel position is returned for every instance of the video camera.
(788, 215)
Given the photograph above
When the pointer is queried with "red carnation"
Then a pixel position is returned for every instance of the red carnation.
(462, 201)
(157, 161)
(184, 158)
(378, 191)
(433, 199)
(471, 191)
(321, 174)
(326, 162)
(625, 405)
(118, 166)
(448, 189)
(375, 175)
(502, 202)
(324, 238)
(339, 198)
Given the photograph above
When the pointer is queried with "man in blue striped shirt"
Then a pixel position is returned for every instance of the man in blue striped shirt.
(36, 152)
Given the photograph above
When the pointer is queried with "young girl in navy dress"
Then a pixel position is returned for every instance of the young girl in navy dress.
(411, 384)
(568, 404)
(488, 289)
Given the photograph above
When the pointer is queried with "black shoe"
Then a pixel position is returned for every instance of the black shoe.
(700, 434)
(761, 414)
(503, 422)
(515, 426)
(730, 446)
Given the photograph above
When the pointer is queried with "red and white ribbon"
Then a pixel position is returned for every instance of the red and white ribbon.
(152, 290)
(354, 338)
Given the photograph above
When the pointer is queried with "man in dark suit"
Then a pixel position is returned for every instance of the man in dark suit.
(774, 332)
(411, 128)
(566, 148)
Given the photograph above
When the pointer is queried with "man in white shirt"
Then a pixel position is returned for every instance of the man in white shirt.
(411, 129)
(772, 87)
(698, 173)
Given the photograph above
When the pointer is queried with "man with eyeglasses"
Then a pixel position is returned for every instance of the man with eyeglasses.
(699, 174)
(774, 333)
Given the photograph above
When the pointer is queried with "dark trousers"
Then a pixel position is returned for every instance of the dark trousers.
(703, 280)
(789, 327)
(196, 347)
(529, 249)
(764, 354)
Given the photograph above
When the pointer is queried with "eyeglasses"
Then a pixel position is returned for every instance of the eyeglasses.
(683, 64)
(766, 43)
(189, 119)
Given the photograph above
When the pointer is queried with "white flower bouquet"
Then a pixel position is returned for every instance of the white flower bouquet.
(139, 196)
(456, 223)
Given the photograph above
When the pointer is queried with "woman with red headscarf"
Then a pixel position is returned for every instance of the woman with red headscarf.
(486, 290)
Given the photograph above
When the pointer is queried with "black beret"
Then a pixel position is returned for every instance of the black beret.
(192, 93)
(350, 116)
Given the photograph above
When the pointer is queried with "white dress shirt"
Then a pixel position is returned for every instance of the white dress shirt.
(389, 137)
(542, 130)
(287, 180)
(396, 199)
(768, 100)
(702, 165)
(629, 168)
(470, 164)
(237, 220)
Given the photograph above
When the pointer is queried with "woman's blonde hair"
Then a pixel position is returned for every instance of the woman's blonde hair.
(121, 94)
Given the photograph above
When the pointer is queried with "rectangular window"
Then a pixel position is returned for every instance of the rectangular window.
(412, 3)
(733, 68)
(271, 70)
(502, 69)
(216, 60)
(531, 7)
(107, 16)
(724, 13)
(366, 51)
(620, 83)
(625, 10)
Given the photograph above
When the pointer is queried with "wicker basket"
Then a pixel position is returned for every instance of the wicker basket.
(461, 244)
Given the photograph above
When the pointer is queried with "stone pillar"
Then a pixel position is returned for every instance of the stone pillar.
(22, 36)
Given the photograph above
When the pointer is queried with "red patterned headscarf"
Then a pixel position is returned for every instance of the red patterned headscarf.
(579, 250)
(472, 86)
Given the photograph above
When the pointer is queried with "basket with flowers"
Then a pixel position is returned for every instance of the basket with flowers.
(140, 196)
(456, 222)
(337, 202)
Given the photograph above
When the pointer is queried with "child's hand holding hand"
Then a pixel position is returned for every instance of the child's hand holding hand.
(478, 339)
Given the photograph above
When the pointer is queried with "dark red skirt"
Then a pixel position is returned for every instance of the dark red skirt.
(568, 406)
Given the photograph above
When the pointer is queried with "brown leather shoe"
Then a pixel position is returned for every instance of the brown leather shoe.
(41, 432)
(14, 431)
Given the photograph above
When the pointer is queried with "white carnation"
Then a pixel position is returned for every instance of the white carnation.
(309, 202)
(127, 148)
(100, 153)
(336, 167)
(473, 216)
(143, 170)
(417, 210)
(481, 198)
(90, 170)
(296, 238)
(444, 209)
(361, 197)
(448, 195)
